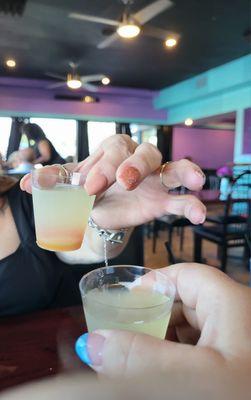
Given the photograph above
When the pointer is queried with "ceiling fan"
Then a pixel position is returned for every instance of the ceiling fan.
(75, 81)
(130, 25)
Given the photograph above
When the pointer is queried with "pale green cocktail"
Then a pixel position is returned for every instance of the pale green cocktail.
(128, 298)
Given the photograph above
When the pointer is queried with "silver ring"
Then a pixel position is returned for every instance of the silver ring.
(161, 174)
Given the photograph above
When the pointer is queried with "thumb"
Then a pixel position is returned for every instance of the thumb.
(125, 354)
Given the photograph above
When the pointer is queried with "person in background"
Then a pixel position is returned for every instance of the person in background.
(45, 152)
(123, 176)
(13, 160)
(225, 173)
(21, 161)
(1, 162)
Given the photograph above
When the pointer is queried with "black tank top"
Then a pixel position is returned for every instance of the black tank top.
(55, 157)
(31, 277)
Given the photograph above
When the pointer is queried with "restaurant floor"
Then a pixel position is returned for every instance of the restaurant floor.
(235, 267)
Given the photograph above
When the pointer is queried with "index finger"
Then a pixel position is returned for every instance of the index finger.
(46, 172)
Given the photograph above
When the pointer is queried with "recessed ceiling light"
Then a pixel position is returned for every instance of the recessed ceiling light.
(89, 99)
(10, 63)
(188, 122)
(105, 80)
(171, 42)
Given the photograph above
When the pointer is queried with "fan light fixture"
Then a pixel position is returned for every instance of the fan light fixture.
(128, 28)
(73, 81)
(128, 31)
(106, 80)
(171, 42)
(74, 84)
(10, 63)
(188, 122)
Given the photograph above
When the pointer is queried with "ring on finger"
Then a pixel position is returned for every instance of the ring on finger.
(63, 172)
(161, 175)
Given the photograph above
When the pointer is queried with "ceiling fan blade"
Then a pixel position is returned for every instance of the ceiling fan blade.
(56, 85)
(152, 10)
(159, 33)
(56, 76)
(92, 78)
(89, 87)
(105, 43)
(92, 18)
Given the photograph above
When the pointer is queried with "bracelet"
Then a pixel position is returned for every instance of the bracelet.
(112, 237)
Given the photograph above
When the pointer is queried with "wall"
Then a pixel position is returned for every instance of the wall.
(217, 91)
(208, 148)
(33, 98)
(242, 150)
(247, 132)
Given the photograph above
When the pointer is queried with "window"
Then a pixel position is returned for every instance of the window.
(62, 133)
(5, 127)
(144, 133)
(149, 135)
(97, 132)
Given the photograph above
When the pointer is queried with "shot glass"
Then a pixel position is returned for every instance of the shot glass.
(61, 210)
(129, 298)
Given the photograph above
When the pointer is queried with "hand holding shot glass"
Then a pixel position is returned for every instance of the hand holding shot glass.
(61, 209)
(129, 298)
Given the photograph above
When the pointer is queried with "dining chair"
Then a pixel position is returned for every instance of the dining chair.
(172, 259)
(229, 229)
(170, 223)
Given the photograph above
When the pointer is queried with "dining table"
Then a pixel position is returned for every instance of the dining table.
(40, 344)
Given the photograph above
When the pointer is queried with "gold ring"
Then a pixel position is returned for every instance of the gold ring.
(162, 174)
(63, 172)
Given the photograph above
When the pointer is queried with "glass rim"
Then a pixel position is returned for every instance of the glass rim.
(71, 179)
(170, 299)
(70, 173)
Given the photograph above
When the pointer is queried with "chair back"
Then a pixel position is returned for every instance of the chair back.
(238, 203)
(239, 189)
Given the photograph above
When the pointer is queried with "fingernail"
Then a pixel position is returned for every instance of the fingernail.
(201, 175)
(196, 216)
(89, 348)
(95, 183)
(202, 220)
(130, 177)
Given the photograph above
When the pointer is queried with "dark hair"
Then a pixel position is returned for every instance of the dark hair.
(6, 183)
(33, 132)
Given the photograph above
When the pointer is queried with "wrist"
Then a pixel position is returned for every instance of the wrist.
(114, 236)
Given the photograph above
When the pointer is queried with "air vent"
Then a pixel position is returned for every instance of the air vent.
(83, 99)
(14, 7)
